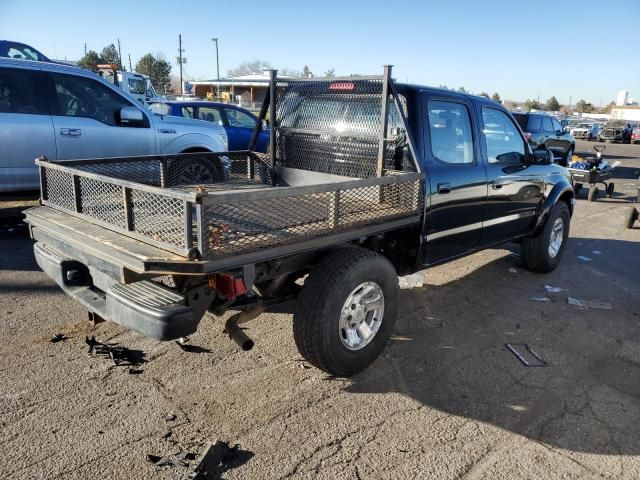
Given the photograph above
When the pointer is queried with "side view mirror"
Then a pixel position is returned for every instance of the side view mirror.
(542, 156)
(130, 116)
(559, 132)
(265, 124)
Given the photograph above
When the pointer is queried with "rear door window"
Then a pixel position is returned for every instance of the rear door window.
(210, 114)
(187, 112)
(19, 92)
(534, 124)
(450, 132)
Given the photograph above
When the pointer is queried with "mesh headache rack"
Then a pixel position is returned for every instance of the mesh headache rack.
(341, 165)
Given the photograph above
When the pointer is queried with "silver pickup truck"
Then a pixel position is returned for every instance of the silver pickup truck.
(64, 113)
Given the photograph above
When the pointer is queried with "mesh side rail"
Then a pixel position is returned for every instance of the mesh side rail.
(117, 193)
(281, 216)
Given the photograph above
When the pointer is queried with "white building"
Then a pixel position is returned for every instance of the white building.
(622, 98)
(626, 112)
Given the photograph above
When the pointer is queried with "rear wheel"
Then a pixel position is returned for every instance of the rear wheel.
(631, 217)
(190, 171)
(593, 193)
(610, 188)
(577, 187)
(543, 252)
(346, 311)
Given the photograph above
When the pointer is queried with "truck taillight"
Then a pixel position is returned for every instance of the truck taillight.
(227, 285)
(527, 136)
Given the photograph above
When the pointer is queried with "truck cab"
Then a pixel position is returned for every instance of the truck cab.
(135, 84)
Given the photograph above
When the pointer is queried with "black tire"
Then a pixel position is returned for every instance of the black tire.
(593, 193)
(610, 189)
(534, 252)
(316, 321)
(577, 187)
(195, 170)
(631, 217)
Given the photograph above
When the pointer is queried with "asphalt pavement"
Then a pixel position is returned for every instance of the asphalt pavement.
(446, 400)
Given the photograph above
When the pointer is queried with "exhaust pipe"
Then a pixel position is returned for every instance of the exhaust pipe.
(242, 339)
(232, 327)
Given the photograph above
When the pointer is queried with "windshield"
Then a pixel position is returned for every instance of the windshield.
(137, 86)
(616, 123)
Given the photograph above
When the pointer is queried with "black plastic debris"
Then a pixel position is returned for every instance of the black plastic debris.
(118, 355)
(166, 433)
(526, 355)
(135, 371)
(217, 458)
(58, 337)
(170, 417)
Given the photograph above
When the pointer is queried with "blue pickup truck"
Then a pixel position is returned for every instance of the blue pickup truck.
(237, 122)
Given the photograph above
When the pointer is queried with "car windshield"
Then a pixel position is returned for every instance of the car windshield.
(616, 123)
(136, 86)
(22, 52)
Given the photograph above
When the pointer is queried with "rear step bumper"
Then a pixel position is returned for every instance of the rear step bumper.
(144, 306)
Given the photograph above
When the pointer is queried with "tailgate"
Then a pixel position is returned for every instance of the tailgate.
(89, 243)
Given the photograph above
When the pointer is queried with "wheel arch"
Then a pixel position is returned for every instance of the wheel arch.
(559, 193)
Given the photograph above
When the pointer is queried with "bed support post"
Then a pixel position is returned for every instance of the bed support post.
(384, 120)
(273, 75)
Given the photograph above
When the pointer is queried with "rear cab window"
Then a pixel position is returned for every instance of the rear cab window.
(450, 132)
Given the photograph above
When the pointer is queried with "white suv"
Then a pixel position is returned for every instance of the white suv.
(67, 113)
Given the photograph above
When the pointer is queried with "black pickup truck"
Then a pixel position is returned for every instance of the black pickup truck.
(366, 179)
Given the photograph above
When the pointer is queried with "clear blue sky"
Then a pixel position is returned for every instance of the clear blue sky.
(522, 49)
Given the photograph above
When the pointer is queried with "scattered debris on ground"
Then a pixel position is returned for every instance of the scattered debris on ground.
(170, 417)
(526, 355)
(596, 252)
(118, 355)
(540, 299)
(58, 337)
(415, 280)
(216, 458)
(589, 303)
(583, 258)
(551, 289)
(512, 270)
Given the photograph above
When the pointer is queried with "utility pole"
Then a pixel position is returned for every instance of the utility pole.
(130, 67)
(570, 97)
(120, 54)
(180, 60)
(217, 62)
(85, 48)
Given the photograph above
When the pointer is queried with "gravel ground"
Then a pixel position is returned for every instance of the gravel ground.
(446, 400)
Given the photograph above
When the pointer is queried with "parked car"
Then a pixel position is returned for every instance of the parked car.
(581, 130)
(22, 51)
(238, 122)
(65, 112)
(332, 228)
(635, 135)
(596, 128)
(616, 131)
(544, 130)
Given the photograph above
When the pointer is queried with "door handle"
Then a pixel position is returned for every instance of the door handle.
(70, 132)
(496, 185)
(444, 188)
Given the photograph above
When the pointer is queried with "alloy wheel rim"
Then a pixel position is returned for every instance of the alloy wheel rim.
(195, 173)
(556, 238)
(361, 316)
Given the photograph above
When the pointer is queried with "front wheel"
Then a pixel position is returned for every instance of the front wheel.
(593, 194)
(346, 311)
(630, 217)
(543, 252)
